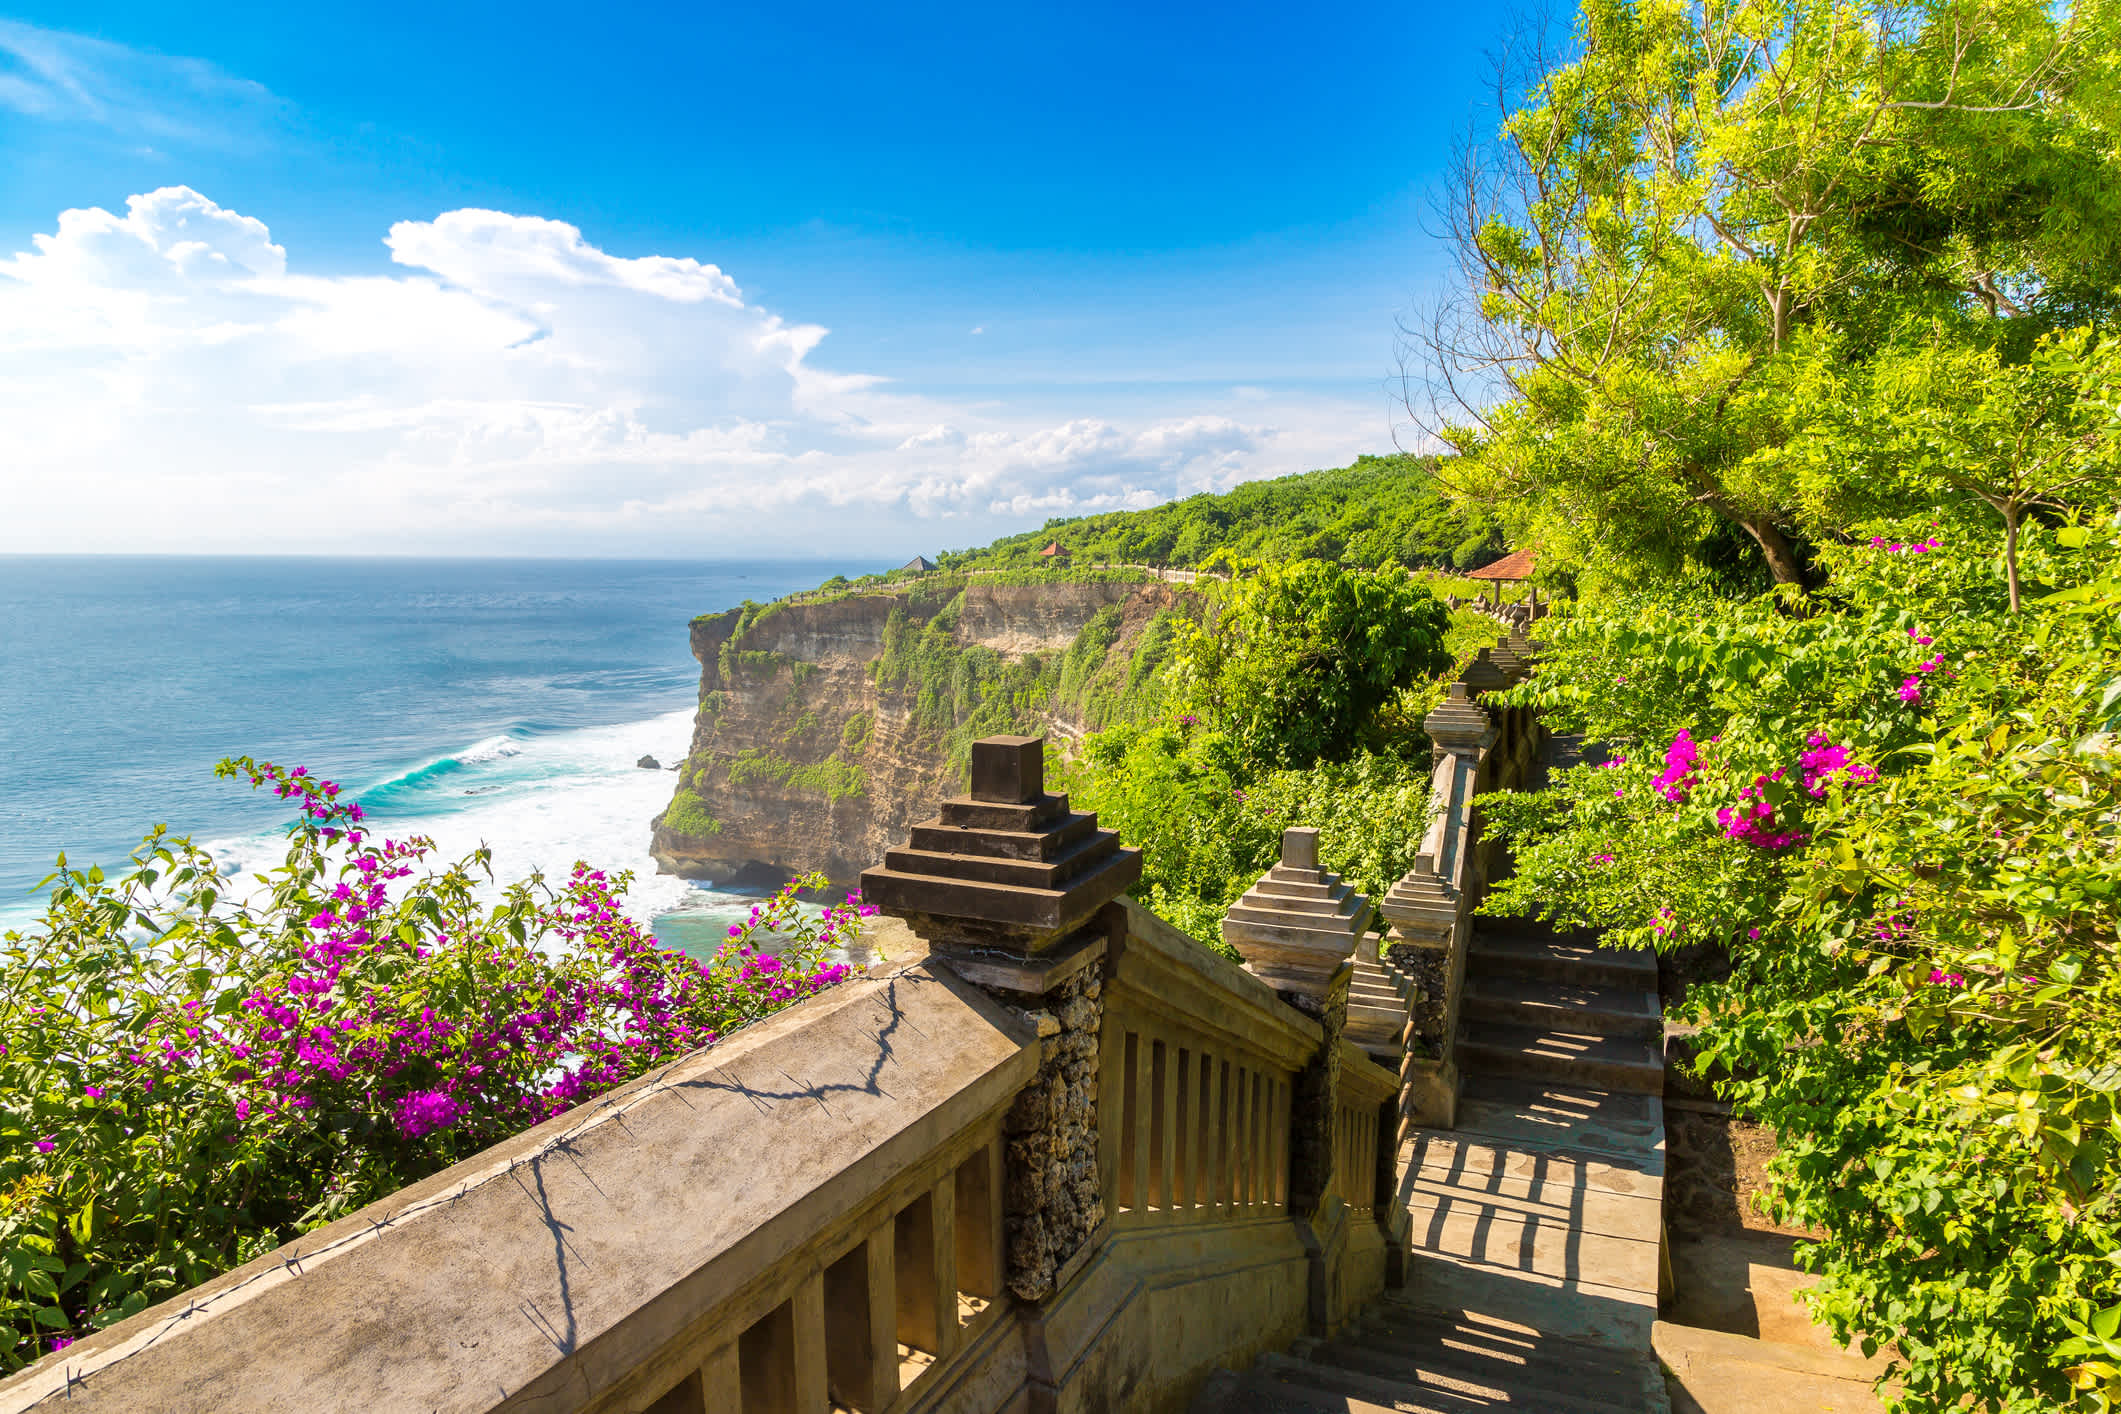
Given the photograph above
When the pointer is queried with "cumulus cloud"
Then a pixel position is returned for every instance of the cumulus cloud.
(174, 379)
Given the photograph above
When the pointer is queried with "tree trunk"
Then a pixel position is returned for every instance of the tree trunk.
(2010, 552)
(1781, 559)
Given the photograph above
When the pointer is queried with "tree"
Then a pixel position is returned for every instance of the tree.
(2015, 437)
(1697, 198)
(1293, 662)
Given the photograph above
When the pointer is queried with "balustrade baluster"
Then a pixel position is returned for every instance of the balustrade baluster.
(924, 1248)
(721, 1380)
(979, 1224)
(1141, 1093)
(808, 1346)
(861, 1345)
(1184, 1155)
(1260, 1112)
(1111, 1114)
(1167, 1055)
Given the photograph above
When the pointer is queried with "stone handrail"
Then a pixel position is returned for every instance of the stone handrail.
(1201, 1059)
(1063, 1157)
(815, 1202)
(1477, 747)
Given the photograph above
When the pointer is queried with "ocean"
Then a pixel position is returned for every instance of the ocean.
(502, 702)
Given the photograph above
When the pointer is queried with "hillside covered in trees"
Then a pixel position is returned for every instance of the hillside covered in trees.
(1383, 510)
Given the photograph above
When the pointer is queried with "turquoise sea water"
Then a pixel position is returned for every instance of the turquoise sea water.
(493, 701)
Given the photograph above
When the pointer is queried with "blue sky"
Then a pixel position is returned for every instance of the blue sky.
(846, 277)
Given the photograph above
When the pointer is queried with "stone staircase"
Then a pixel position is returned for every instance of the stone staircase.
(1401, 1357)
(1562, 1011)
(1536, 1222)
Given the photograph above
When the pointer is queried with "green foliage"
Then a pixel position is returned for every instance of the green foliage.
(688, 815)
(833, 778)
(1897, 813)
(1208, 827)
(1294, 661)
(1379, 512)
(1702, 211)
(854, 734)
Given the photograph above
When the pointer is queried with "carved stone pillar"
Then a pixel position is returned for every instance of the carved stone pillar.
(1297, 929)
(1008, 887)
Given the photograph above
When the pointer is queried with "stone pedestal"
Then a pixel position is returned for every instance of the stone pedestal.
(1297, 927)
(1009, 888)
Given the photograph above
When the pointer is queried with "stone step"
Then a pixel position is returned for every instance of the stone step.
(1579, 1308)
(1516, 1113)
(1507, 955)
(1225, 1393)
(1469, 1361)
(1531, 1358)
(1562, 1006)
(1416, 1388)
(1632, 1064)
(1366, 1014)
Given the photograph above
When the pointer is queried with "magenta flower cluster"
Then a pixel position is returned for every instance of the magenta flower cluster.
(1895, 547)
(1911, 686)
(1825, 762)
(486, 1032)
(1752, 820)
(1682, 767)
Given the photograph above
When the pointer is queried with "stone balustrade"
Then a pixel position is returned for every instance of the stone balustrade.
(1477, 746)
(1057, 1157)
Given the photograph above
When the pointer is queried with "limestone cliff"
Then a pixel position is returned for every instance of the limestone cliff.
(828, 726)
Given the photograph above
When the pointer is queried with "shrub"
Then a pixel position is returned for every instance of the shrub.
(1894, 804)
(191, 1075)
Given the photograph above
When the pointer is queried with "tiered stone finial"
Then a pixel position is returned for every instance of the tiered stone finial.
(1006, 867)
(1299, 924)
(1507, 659)
(1524, 645)
(1484, 674)
(1458, 724)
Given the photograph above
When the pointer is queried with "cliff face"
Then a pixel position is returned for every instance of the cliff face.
(826, 729)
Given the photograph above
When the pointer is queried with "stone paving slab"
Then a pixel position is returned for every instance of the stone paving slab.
(1714, 1372)
(1548, 1200)
(1615, 1317)
(1472, 1162)
(1526, 1242)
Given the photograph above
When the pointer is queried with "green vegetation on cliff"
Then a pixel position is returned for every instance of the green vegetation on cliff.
(1296, 693)
(1381, 511)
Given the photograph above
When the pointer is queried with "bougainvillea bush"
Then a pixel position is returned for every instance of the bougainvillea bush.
(194, 1070)
(1896, 804)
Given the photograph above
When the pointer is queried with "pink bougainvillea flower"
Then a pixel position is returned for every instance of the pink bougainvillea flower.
(1682, 761)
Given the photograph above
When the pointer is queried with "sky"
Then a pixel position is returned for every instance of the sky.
(627, 280)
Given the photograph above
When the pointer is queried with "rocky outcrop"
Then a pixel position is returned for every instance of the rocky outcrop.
(828, 727)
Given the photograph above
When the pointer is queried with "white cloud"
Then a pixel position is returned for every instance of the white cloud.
(172, 379)
(72, 79)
